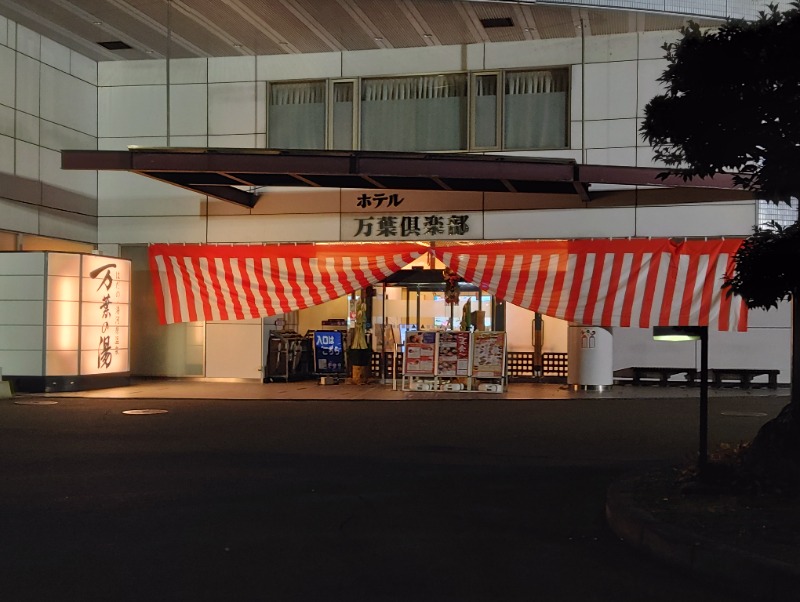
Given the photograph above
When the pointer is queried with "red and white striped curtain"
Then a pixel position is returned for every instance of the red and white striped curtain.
(237, 282)
(639, 283)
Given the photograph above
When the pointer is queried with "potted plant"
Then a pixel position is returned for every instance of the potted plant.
(359, 354)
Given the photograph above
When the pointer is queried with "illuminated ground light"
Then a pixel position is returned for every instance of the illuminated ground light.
(144, 412)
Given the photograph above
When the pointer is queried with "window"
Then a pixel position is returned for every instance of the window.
(420, 113)
(784, 214)
(342, 116)
(485, 111)
(297, 115)
(535, 109)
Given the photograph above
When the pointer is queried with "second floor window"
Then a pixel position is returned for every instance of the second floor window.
(297, 115)
(420, 113)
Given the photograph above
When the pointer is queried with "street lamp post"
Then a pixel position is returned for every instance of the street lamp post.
(693, 333)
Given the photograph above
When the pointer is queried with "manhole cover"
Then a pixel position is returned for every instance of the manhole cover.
(144, 412)
(36, 402)
(745, 414)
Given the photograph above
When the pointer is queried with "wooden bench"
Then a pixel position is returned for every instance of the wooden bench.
(742, 377)
(662, 374)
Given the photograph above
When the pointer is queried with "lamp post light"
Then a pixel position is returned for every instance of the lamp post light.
(693, 333)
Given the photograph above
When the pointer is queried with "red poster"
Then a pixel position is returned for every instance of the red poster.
(454, 354)
(419, 356)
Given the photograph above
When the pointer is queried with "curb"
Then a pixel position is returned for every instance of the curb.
(734, 569)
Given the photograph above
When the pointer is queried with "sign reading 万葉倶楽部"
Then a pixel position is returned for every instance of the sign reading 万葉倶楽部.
(417, 226)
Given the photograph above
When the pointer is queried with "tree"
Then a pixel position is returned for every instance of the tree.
(732, 105)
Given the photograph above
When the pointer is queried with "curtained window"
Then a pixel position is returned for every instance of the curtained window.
(485, 111)
(342, 117)
(535, 109)
(420, 113)
(297, 115)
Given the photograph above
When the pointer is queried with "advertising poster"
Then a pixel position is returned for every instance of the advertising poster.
(453, 357)
(328, 352)
(419, 358)
(488, 354)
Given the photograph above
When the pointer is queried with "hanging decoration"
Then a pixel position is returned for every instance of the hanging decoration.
(451, 286)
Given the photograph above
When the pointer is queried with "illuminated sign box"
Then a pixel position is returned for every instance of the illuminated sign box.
(82, 326)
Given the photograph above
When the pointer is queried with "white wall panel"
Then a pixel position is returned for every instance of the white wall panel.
(756, 348)
(611, 133)
(21, 287)
(188, 110)
(57, 137)
(21, 363)
(232, 69)
(476, 57)
(245, 337)
(70, 226)
(576, 93)
(713, 219)
(11, 40)
(188, 71)
(22, 313)
(17, 217)
(131, 73)
(261, 110)
(436, 59)
(538, 53)
(55, 55)
(232, 108)
(83, 68)
(3, 30)
(237, 141)
(299, 66)
(620, 47)
(651, 42)
(649, 86)
(611, 156)
(27, 78)
(27, 160)
(322, 227)
(81, 181)
(27, 128)
(132, 111)
(25, 338)
(133, 230)
(7, 72)
(780, 317)
(7, 116)
(68, 101)
(559, 223)
(28, 42)
(125, 194)
(645, 156)
(21, 264)
(575, 135)
(610, 90)
(124, 143)
(188, 141)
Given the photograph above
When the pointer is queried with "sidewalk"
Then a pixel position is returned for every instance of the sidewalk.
(188, 388)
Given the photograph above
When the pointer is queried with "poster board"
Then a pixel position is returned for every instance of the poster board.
(329, 352)
(454, 354)
(488, 354)
(419, 357)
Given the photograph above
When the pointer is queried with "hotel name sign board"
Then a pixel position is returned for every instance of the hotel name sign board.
(385, 215)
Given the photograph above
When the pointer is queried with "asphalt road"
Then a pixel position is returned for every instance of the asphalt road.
(468, 500)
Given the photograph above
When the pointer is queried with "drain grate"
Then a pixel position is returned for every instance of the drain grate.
(144, 412)
(745, 414)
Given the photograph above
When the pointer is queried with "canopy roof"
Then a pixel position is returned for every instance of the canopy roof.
(240, 175)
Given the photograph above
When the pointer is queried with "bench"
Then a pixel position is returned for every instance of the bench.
(743, 377)
(662, 374)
